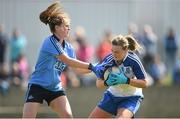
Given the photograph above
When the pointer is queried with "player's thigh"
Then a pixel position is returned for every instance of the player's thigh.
(99, 113)
(30, 109)
(124, 113)
(61, 106)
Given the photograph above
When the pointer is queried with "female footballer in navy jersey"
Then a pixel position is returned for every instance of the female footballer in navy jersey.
(124, 93)
(55, 54)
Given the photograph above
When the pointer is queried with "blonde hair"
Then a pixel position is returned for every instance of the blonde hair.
(126, 42)
(54, 15)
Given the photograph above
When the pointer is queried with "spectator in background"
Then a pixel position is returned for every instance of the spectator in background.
(19, 72)
(170, 48)
(24, 70)
(84, 53)
(176, 73)
(17, 45)
(158, 70)
(23, 66)
(16, 75)
(104, 47)
(149, 40)
(4, 82)
(4, 75)
(134, 31)
(3, 45)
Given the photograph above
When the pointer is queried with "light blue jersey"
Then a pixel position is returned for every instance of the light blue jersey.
(48, 68)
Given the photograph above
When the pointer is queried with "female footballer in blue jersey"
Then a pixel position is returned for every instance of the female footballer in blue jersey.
(124, 93)
(55, 55)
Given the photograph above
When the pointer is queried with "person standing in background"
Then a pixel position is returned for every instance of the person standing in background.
(85, 52)
(150, 41)
(4, 74)
(3, 46)
(171, 48)
(104, 47)
(17, 45)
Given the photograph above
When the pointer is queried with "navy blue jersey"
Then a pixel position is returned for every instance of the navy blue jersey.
(48, 68)
(132, 67)
(130, 62)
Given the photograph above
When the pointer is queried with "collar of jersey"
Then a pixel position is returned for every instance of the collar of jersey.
(63, 43)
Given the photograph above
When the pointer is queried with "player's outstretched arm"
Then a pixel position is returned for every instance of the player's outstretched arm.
(73, 62)
(97, 69)
(81, 71)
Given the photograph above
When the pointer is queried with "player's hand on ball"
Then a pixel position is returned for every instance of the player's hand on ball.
(116, 78)
(97, 69)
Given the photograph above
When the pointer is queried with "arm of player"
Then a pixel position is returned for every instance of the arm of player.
(72, 62)
(79, 64)
(81, 71)
(140, 83)
(100, 84)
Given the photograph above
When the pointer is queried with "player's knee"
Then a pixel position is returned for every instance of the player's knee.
(124, 117)
(66, 115)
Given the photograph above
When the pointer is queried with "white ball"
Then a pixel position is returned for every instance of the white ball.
(114, 69)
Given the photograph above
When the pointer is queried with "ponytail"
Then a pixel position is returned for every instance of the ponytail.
(54, 15)
(133, 44)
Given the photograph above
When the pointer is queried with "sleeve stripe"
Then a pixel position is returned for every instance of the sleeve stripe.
(139, 63)
(56, 47)
(109, 58)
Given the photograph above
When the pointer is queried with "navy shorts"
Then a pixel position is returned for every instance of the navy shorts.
(111, 104)
(36, 93)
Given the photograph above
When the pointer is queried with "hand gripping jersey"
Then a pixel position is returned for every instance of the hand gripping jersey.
(48, 68)
(132, 67)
